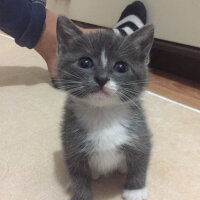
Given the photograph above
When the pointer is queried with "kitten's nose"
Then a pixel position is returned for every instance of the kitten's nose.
(101, 80)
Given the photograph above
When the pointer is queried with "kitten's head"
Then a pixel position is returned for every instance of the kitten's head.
(102, 68)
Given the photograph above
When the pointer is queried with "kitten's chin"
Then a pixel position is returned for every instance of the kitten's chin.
(101, 94)
(101, 99)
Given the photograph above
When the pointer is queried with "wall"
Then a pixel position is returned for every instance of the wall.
(174, 20)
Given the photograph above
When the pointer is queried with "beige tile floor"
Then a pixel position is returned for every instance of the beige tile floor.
(31, 162)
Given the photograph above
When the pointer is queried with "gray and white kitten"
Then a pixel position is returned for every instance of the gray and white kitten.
(104, 127)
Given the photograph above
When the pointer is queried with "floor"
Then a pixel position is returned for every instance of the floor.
(176, 88)
(31, 159)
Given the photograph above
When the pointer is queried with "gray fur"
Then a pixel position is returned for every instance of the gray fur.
(79, 83)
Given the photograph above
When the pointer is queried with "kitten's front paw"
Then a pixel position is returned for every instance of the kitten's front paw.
(139, 194)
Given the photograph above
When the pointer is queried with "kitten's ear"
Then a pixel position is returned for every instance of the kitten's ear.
(66, 30)
(143, 41)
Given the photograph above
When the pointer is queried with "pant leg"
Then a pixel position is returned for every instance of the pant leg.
(23, 20)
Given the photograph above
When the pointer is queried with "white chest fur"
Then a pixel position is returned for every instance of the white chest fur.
(106, 133)
(106, 155)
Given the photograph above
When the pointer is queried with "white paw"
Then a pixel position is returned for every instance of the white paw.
(139, 194)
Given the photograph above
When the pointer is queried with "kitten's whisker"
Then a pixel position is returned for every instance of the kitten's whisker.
(68, 73)
(129, 99)
(71, 89)
(130, 89)
(131, 92)
(75, 89)
(128, 84)
(136, 81)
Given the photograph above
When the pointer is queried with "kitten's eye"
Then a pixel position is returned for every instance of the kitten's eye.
(120, 67)
(85, 63)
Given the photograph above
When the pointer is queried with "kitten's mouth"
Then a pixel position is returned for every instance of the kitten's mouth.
(101, 92)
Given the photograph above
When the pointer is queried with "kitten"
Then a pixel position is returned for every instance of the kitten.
(104, 127)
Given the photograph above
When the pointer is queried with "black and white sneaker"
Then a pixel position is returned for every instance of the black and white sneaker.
(132, 18)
